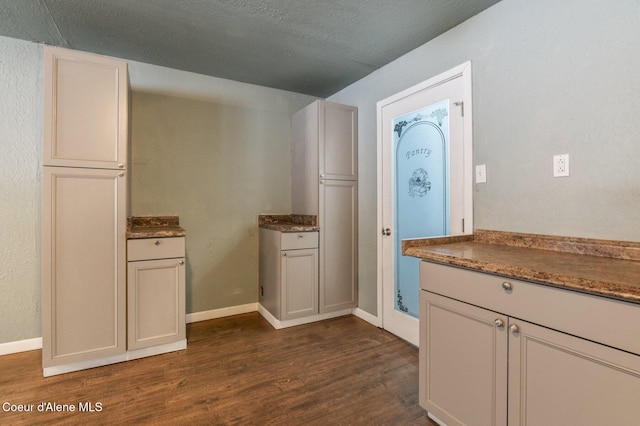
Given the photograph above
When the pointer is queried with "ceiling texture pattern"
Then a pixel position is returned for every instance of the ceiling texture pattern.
(315, 47)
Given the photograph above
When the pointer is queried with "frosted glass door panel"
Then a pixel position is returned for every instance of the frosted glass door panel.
(421, 141)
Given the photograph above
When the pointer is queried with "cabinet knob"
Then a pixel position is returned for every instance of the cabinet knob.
(386, 231)
(514, 329)
(181, 262)
(157, 242)
(322, 176)
(300, 236)
(120, 174)
(507, 286)
(121, 165)
(499, 323)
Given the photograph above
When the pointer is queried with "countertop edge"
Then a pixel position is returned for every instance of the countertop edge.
(567, 282)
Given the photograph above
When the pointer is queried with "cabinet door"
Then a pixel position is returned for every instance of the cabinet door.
(338, 141)
(299, 272)
(85, 110)
(156, 302)
(338, 245)
(558, 379)
(83, 264)
(463, 362)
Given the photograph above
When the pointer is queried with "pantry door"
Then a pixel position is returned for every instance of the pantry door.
(424, 167)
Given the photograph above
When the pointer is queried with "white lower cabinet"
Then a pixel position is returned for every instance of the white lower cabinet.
(83, 265)
(289, 273)
(155, 292)
(483, 367)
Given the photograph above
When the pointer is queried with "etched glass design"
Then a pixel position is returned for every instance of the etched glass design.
(421, 204)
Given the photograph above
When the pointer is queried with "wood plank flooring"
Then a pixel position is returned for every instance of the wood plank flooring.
(236, 371)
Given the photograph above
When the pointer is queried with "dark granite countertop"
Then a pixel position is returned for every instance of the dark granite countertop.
(289, 223)
(599, 267)
(154, 227)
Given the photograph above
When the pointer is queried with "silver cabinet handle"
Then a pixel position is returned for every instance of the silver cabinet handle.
(157, 243)
(507, 286)
(300, 236)
(181, 262)
(514, 329)
(121, 165)
(499, 323)
(120, 174)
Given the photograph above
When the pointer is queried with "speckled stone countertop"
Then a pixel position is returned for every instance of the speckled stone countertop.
(599, 267)
(289, 222)
(154, 227)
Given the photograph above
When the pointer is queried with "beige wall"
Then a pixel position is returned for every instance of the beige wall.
(213, 151)
(216, 153)
(20, 183)
(549, 77)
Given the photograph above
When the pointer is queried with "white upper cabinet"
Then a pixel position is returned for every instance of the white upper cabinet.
(338, 141)
(85, 111)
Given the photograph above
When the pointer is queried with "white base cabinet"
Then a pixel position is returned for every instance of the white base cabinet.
(289, 273)
(83, 264)
(493, 367)
(156, 292)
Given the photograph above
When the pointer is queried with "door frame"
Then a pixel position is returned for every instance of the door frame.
(462, 71)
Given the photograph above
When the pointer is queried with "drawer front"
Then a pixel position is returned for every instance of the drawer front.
(155, 248)
(298, 240)
(611, 322)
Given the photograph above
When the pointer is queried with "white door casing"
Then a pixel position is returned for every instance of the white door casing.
(454, 85)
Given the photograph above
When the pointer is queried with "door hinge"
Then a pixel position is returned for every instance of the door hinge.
(461, 105)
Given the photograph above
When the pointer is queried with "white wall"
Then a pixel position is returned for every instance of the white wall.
(549, 77)
(20, 183)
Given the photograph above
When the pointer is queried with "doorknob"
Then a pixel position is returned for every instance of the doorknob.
(386, 231)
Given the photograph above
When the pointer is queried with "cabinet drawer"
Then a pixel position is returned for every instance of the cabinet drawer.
(608, 321)
(155, 248)
(298, 240)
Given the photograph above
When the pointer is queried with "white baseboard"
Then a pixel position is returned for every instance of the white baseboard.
(364, 315)
(20, 346)
(222, 312)
(277, 324)
(127, 356)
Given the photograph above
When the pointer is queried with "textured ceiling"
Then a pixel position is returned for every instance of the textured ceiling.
(316, 47)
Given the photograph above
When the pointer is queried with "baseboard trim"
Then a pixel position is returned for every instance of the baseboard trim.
(222, 312)
(127, 356)
(277, 324)
(20, 346)
(364, 315)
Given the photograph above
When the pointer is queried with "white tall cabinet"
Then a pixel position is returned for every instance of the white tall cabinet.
(324, 183)
(84, 207)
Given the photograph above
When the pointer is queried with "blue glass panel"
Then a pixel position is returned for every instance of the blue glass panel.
(421, 141)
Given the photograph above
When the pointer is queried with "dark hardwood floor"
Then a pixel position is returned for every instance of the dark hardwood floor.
(236, 370)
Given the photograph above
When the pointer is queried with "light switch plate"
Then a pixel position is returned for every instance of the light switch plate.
(481, 173)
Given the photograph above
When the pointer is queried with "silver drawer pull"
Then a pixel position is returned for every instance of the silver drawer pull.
(157, 242)
(300, 236)
(181, 262)
(514, 329)
(499, 323)
(507, 286)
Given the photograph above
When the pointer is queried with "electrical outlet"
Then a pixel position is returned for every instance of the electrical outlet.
(561, 165)
(481, 173)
